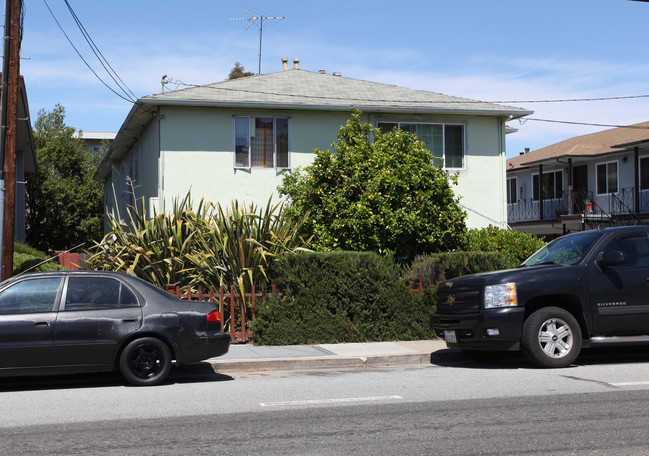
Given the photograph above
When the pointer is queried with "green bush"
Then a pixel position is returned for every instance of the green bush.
(518, 245)
(333, 297)
(26, 257)
(436, 268)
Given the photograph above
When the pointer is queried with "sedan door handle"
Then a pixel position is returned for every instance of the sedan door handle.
(42, 324)
(129, 320)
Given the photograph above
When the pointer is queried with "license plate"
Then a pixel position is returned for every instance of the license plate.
(450, 337)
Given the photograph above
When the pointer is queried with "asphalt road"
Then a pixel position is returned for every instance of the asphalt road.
(599, 407)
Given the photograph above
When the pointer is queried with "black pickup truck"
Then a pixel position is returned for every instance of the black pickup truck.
(579, 290)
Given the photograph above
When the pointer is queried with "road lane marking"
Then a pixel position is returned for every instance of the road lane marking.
(329, 401)
(630, 383)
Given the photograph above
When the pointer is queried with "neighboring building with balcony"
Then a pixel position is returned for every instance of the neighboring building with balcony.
(599, 179)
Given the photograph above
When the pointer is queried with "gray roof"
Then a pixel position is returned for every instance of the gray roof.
(300, 89)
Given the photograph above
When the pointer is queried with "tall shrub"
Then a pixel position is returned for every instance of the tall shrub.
(340, 297)
(518, 245)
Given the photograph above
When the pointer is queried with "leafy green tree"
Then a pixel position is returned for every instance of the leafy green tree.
(64, 203)
(238, 71)
(376, 192)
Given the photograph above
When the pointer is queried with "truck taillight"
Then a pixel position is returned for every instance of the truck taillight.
(214, 317)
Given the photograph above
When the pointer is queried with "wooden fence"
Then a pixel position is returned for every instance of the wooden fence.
(237, 314)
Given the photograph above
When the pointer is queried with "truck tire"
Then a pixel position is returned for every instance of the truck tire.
(551, 337)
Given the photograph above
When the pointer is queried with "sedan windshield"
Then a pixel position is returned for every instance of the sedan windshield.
(564, 250)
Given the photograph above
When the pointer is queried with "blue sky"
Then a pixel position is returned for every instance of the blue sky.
(513, 51)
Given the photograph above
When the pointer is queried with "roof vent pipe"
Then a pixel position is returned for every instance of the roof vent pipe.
(296, 64)
(527, 150)
(284, 63)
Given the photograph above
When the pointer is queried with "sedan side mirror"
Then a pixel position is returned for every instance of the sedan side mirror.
(611, 258)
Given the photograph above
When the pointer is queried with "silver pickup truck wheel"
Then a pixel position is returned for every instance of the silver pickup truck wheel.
(551, 337)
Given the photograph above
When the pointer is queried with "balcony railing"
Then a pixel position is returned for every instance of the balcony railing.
(609, 207)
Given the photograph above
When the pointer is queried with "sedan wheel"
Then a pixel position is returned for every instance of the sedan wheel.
(551, 337)
(145, 361)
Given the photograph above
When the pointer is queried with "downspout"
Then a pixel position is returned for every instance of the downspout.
(161, 165)
(503, 174)
(540, 192)
(636, 187)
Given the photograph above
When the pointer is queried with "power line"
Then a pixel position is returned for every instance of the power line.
(462, 101)
(571, 100)
(83, 59)
(637, 127)
(109, 69)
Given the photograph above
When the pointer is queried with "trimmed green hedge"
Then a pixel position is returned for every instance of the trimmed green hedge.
(436, 268)
(333, 297)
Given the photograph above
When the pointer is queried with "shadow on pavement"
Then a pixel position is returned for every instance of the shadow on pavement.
(190, 373)
(515, 360)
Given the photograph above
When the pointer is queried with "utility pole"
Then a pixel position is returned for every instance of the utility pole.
(252, 19)
(10, 72)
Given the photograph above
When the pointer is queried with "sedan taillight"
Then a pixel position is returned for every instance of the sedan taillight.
(214, 317)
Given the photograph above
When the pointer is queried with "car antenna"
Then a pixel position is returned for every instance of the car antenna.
(50, 259)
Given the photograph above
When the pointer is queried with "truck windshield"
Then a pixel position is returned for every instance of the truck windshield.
(564, 250)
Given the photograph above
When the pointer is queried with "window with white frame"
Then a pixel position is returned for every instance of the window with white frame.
(644, 173)
(552, 185)
(261, 142)
(607, 178)
(512, 196)
(445, 141)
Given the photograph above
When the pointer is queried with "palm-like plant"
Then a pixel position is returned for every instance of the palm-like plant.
(154, 249)
(236, 248)
(207, 246)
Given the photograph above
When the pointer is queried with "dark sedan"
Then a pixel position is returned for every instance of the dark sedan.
(90, 321)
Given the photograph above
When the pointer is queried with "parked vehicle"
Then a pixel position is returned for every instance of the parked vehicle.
(579, 290)
(89, 321)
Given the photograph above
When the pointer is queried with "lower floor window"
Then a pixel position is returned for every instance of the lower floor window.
(511, 191)
(606, 178)
(552, 185)
(261, 142)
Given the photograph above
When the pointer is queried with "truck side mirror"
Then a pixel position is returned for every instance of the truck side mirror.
(611, 258)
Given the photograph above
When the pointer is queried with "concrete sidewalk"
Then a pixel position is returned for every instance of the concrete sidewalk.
(296, 357)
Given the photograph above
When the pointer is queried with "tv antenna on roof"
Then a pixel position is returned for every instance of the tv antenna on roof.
(251, 20)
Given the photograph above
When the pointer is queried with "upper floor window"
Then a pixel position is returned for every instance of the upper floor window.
(445, 141)
(261, 142)
(607, 178)
(552, 185)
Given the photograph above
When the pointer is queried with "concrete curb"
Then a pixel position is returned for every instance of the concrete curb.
(317, 362)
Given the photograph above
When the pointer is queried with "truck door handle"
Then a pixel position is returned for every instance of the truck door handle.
(42, 324)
